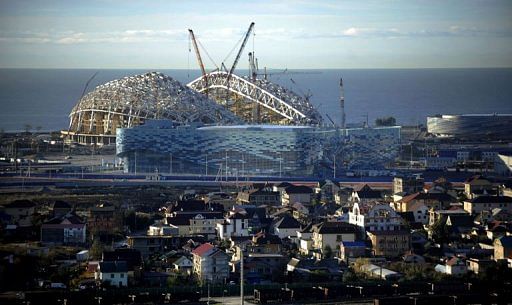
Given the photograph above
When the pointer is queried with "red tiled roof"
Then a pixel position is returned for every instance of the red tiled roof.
(203, 249)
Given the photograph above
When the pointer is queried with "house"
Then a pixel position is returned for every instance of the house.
(20, 212)
(422, 202)
(365, 194)
(390, 243)
(297, 193)
(160, 229)
(307, 269)
(287, 226)
(327, 190)
(103, 219)
(112, 273)
(260, 267)
(196, 222)
(477, 184)
(377, 218)
(454, 266)
(236, 224)
(300, 211)
(487, 203)
(259, 197)
(503, 248)
(459, 225)
(183, 265)
(479, 265)
(441, 215)
(210, 264)
(351, 250)
(328, 235)
(263, 242)
(380, 272)
(131, 257)
(150, 245)
(68, 229)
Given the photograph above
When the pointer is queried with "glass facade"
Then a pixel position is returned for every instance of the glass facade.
(472, 126)
(253, 150)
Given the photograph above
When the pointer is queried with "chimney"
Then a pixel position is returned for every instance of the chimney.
(342, 104)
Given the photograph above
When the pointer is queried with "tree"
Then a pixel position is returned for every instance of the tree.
(96, 249)
(327, 251)
(439, 231)
(385, 121)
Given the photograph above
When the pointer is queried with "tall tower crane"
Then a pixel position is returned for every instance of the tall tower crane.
(199, 59)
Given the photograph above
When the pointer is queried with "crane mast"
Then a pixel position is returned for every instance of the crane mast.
(198, 55)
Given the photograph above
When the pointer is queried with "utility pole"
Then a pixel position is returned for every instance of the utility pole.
(241, 276)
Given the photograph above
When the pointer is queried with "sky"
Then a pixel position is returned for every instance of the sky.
(288, 34)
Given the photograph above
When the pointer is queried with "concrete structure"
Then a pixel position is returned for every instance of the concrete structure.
(503, 164)
(471, 126)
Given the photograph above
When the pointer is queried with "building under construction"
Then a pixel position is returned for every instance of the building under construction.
(223, 123)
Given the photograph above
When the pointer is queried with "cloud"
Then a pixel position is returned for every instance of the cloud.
(235, 34)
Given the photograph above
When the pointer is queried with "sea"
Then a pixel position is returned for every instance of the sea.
(43, 98)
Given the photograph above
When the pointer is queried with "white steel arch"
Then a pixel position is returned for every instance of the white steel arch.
(274, 97)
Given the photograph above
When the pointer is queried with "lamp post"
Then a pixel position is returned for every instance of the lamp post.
(132, 296)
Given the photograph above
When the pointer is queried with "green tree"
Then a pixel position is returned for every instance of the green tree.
(327, 251)
(96, 249)
(439, 231)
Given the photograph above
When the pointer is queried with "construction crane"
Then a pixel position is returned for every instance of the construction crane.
(240, 52)
(199, 60)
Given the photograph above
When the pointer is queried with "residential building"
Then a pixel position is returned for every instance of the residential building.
(455, 266)
(297, 193)
(210, 264)
(68, 229)
(389, 243)
(287, 226)
(330, 234)
(365, 195)
(479, 265)
(103, 219)
(432, 201)
(477, 184)
(503, 248)
(487, 203)
(380, 217)
(327, 190)
(259, 197)
(380, 272)
(352, 250)
(236, 224)
(408, 184)
(183, 265)
(437, 215)
(112, 273)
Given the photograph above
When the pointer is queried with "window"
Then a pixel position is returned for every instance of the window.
(122, 275)
(111, 275)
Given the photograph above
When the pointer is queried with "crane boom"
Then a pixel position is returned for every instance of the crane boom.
(198, 55)
(240, 51)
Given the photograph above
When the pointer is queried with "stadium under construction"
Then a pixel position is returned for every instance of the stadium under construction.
(247, 123)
